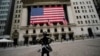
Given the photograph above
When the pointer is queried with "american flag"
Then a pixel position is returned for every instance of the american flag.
(47, 14)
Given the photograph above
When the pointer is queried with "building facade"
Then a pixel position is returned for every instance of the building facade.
(81, 17)
(16, 16)
(97, 5)
(6, 10)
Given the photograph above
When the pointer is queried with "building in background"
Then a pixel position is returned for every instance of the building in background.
(6, 12)
(16, 16)
(97, 5)
(78, 16)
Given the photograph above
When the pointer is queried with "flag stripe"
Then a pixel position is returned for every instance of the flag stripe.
(50, 14)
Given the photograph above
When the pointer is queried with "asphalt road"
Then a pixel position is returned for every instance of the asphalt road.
(87, 47)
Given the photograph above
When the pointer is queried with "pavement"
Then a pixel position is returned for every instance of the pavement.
(87, 47)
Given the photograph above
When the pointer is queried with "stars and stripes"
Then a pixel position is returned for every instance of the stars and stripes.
(47, 14)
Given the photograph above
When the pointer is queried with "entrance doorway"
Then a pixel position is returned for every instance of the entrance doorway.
(90, 32)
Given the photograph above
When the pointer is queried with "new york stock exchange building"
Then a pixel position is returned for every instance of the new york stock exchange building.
(58, 18)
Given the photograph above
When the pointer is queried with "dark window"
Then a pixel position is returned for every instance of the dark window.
(80, 2)
(83, 11)
(93, 21)
(77, 17)
(81, 22)
(74, 7)
(96, 21)
(84, 16)
(18, 21)
(69, 29)
(15, 21)
(55, 29)
(89, 2)
(62, 29)
(91, 16)
(75, 11)
(41, 30)
(89, 10)
(81, 29)
(76, 3)
(15, 16)
(81, 7)
(34, 31)
(78, 22)
(48, 30)
(92, 10)
(18, 16)
(80, 17)
(94, 16)
(86, 22)
(26, 31)
(78, 11)
(77, 7)
(97, 28)
(87, 16)
(19, 11)
(73, 3)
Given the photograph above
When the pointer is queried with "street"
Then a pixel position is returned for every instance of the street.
(87, 47)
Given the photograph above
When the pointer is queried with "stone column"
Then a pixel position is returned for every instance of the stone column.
(60, 37)
(24, 18)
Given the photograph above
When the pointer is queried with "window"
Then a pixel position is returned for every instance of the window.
(41, 30)
(81, 22)
(18, 21)
(76, 3)
(94, 16)
(19, 11)
(15, 16)
(77, 17)
(78, 11)
(89, 2)
(87, 16)
(92, 10)
(15, 21)
(80, 17)
(62, 29)
(80, 2)
(34, 31)
(77, 7)
(89, 10)
(78, 22)
(48, 30)
(16, 11)
(91, 16)
(75, 11)
(91, 6)
(81, 7)
(74, 7)
(26, 31)
(81, 29)
(86, 22)
(73, 3)
(97, 28)
(55, 30)
(18, 16)
(89, 21)
(69, 29)
(84, 16)
(83, 11)
(96, 21)
(93, 21)
(17, 6)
